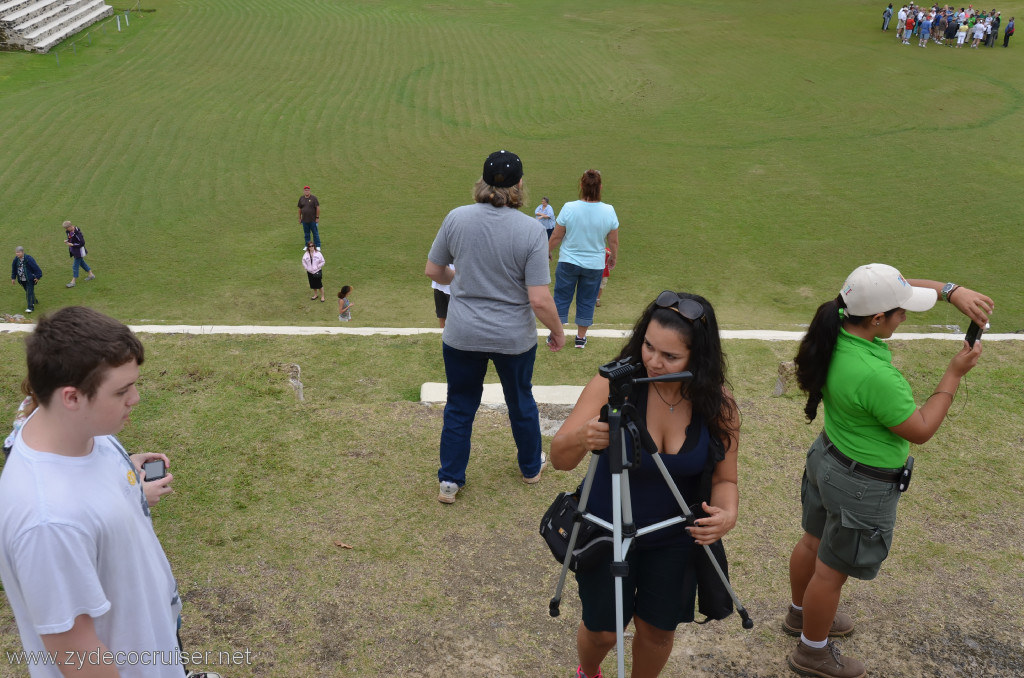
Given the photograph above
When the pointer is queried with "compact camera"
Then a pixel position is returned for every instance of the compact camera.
(155, 469)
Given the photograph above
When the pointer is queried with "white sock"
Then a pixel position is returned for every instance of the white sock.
(817, 644)
(796, 607)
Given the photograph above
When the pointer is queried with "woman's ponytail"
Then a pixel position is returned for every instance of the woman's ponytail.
(815, 353)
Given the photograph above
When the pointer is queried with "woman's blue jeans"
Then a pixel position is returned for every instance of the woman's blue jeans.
(465, 371)
(79, 261)
(584, 284)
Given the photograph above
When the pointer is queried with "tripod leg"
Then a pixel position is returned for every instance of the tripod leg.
(628, 528)
(588, 481)
(617, 564)
(622, 515)
(688, 514)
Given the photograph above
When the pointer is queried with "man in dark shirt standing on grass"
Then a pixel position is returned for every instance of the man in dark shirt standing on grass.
(309, 217)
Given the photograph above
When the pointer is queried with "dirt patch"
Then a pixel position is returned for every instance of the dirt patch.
(551, 416)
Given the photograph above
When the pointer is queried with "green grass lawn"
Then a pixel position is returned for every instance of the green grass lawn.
(753, 155)
(268, 487)
(749, 157)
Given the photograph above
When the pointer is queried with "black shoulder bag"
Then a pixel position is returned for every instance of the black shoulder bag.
(593, 543)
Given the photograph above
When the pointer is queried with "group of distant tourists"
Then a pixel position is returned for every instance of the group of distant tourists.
(947, 26)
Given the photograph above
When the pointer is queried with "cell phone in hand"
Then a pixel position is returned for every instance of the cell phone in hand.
(155, 469)
(974, 333)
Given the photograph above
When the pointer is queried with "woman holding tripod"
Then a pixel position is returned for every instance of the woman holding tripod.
(695, 424)
(858, 465)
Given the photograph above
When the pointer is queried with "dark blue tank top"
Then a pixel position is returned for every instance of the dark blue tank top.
(652, 501)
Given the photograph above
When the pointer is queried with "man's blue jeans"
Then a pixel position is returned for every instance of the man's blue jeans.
(465, 371)
(584, 283)
(311, 227)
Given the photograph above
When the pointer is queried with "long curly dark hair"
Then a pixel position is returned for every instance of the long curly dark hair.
(706, 390)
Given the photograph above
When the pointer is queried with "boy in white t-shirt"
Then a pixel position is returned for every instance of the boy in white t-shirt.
(84, 572)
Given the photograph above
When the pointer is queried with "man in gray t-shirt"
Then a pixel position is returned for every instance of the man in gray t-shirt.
(498, 288)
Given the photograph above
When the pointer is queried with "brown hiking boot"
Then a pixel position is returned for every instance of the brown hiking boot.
(824, 662)
(793, 624)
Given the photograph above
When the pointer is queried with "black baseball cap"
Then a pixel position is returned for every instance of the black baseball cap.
(503, 169)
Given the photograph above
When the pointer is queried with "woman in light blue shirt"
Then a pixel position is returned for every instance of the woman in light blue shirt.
(581, 231)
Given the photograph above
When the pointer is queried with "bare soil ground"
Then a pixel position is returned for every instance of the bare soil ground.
(474, 600)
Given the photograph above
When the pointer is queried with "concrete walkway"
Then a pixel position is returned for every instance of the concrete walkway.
(758, 335)
(437, 392)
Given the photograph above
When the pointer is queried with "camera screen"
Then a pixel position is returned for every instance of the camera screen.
(154, 469)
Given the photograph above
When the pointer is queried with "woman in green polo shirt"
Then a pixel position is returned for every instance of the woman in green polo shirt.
(851, 480)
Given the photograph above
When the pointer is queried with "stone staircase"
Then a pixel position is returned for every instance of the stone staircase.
(38, 25)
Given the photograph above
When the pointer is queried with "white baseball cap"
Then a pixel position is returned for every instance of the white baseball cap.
(877, 288)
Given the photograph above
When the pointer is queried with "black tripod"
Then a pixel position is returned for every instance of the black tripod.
(624, 419)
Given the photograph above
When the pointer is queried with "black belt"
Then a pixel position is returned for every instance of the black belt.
(888, 475)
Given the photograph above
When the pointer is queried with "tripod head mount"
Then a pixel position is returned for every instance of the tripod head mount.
(621, 376)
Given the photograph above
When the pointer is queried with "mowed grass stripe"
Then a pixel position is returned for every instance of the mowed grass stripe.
(734, 151)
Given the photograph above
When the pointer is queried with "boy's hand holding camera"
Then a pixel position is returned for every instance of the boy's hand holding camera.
(148, 465)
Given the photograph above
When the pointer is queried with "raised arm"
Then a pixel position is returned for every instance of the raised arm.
(920, 426)
(974, 305)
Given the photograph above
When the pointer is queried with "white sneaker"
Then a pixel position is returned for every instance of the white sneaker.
(536, 479)
(447, 493)
(28, 310)
(70, 284)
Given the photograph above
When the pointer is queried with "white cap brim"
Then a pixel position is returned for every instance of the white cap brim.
(922, 299)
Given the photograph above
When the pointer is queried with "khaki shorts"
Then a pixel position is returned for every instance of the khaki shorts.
(853, 516)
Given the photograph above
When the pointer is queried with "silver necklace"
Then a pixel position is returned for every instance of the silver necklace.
(671, 406)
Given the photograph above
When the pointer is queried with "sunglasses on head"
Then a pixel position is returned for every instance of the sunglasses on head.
(691, 309)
